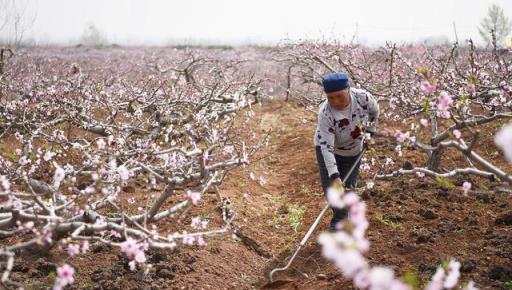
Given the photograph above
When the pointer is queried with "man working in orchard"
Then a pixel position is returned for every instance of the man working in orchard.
(339, 133)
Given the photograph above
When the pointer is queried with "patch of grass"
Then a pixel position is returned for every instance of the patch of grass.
(412, 278)
(239, 184)
(276, 210)
(88, 285)
(12, 156)
(52, 275)
(508, 284)
(113, 215)
(214, 243)
(304, 189)
(284, 214)
(395, 225)
(444, 182)
(484, 185)
(295, 216)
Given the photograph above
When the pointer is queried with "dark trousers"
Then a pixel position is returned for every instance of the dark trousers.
(344, 164)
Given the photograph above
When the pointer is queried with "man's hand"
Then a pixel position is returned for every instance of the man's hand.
(338, 184)
(368, 139)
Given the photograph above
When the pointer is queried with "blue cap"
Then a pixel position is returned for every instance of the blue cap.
(335, 81)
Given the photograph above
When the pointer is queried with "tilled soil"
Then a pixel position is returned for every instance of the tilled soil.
(415, 223)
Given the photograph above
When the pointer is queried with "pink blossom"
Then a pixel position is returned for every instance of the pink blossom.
(200, 241)
(145, 245)
(100, 143)
(110, 140)
(46, 236)
(198, 224)
(140, 257)
(444, 104)
(132, 264)
(334, 197)
(381, 278)
(115, 234)
(48, 155)
(262, 181)
(130, 248)
(426, 87)
(64, 276)
(453, 274)
(58, 176)
(29, 225)
(228, 150)
(363, 245)
(23, 160)
(5, 183)
(470, 89)
(399, 285)
(193, 196)
(73, 249)
(188, 240)
(503, 139)
(437, 280)
(329, 246)
(85, 246)
(350, 262)
(470, 286)
(424, 122)
(456, 133)
(362, 280)
(351, 198)
(124, 173)
(357, 213)
(400, 137)
(466, 186)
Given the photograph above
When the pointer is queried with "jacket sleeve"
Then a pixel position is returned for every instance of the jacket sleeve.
(373, 112)
(326, 136)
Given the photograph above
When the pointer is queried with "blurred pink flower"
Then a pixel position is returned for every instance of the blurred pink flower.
(452, 277)
(5, 183)
(381, 277)
(85, 246)
(64, 276)
(400, 137)
(503, 139)
(197, 223)
(335, 197)
(466, 186)
(444, 104)
(456, 133)
(73, 249)
(427, 87)
(124, 173)
(130, 248)
(200, 241)
(194, 197)
(470, 89)
(58, 176)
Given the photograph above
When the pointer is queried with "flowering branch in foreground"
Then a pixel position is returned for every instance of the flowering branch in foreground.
(348, 245)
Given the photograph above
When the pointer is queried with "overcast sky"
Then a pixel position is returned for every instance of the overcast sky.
(260, 21)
